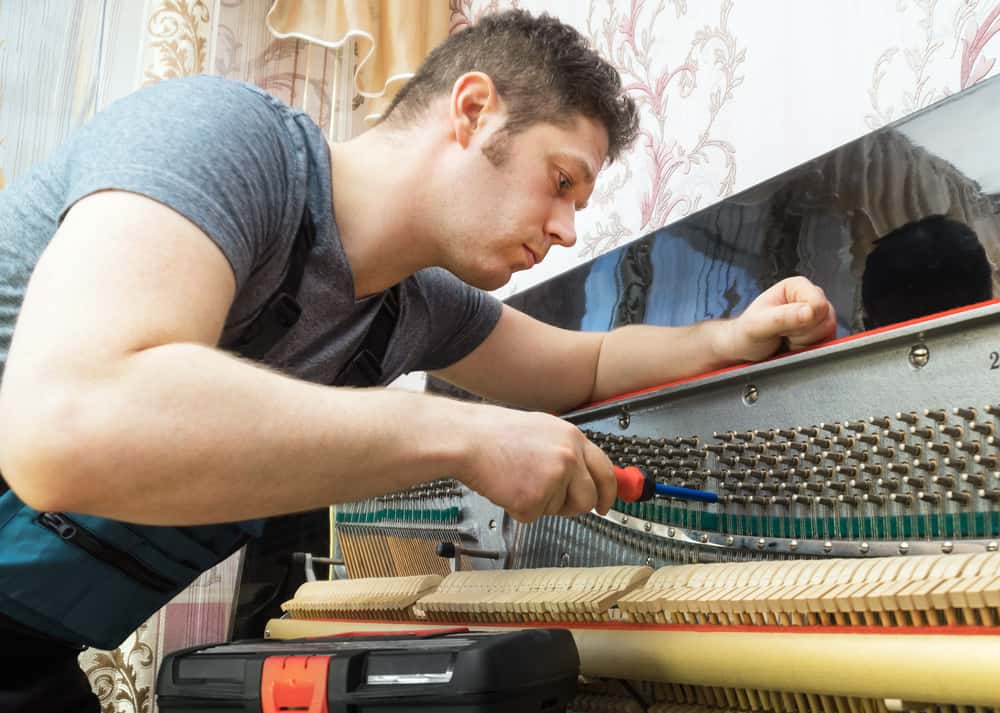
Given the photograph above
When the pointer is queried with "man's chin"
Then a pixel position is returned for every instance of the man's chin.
(491, 281)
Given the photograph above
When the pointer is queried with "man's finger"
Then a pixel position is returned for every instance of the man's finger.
(799, 289)
(581, 496)
(826, 329)
(777, 321)
(603, 474)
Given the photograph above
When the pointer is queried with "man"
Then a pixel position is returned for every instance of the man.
(158, 236)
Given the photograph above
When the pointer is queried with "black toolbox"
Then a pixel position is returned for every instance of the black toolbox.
(455, 670)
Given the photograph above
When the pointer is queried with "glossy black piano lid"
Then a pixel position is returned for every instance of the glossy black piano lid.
(901, 223)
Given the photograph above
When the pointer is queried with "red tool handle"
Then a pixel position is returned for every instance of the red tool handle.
(633, 484)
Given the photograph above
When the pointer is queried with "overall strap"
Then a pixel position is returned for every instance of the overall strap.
(365, 367)
(283, 310)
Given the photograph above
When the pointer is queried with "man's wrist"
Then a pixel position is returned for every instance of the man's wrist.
(721, 341)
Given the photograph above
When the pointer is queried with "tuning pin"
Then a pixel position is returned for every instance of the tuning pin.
(969, 414)
(936, 415)
(959, 496)
(975, 479)
(956, 463)
(953, 431)
(990, 462)
(943, 481)
(992, 495)
(987, 429)
(942, 448)
(890, 484)
(913, 481)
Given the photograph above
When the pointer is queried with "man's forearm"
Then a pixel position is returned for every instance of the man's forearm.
(639, 356)
(185, 434)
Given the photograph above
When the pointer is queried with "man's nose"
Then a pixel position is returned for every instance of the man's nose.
(561, 227)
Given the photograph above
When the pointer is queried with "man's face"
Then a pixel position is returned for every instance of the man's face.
(518, 196)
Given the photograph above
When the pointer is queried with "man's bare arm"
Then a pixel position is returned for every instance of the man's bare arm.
(530, 364)
(116, 402)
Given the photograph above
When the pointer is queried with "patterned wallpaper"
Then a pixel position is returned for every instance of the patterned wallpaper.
(731, 92)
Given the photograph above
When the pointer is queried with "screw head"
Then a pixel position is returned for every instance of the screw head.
(793, 545)
(624, 419)
(904, 547)
(761, 543)
(828, 547)
(947, 547)
(750, 394)
(648, 526)
(992, 546)
(493, 524)
(863, 548)
(650, 562)
(730, 540)
(624, 519)
(703, 538)
(919, 356)
(564, 559)
(670, 532)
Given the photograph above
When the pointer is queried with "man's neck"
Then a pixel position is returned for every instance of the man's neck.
(376, 193)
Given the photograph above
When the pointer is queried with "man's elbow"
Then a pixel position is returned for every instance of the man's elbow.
(46, 449)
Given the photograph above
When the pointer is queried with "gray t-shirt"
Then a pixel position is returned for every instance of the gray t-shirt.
(243, 167)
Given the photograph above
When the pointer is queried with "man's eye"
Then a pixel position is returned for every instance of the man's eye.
(564, 183)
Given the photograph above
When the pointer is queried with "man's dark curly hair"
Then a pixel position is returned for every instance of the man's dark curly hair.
(543, 70)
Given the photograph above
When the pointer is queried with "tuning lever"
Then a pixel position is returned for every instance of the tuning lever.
(636, 485)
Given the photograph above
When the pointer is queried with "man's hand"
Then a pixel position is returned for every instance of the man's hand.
(794, 309)
(534, 464)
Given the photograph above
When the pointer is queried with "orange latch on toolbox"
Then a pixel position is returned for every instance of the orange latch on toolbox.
(294, 683)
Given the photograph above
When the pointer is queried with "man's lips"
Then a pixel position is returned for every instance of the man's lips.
(533, 256)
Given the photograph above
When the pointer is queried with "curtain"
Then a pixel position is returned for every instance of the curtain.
(392, 36)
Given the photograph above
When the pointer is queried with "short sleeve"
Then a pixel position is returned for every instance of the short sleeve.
(455, 318)
(218, 152)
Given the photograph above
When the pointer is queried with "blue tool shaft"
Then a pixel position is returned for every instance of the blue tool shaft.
(673, 491)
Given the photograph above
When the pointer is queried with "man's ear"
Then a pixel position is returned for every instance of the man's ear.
(474, 103)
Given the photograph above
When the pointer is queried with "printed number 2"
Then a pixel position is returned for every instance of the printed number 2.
(994, 360)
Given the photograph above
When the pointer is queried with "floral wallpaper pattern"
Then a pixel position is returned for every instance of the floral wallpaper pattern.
(731, 92)
(177, 39)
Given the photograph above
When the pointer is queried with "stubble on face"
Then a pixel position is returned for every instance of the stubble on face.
(497, 148)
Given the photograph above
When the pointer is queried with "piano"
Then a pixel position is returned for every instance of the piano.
(850, 558)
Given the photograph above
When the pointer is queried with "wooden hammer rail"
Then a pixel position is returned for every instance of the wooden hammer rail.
(891, 592)
(908, 628)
